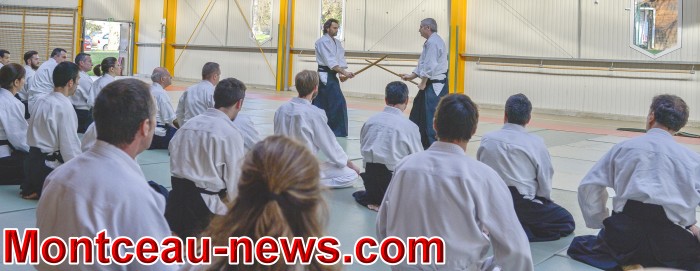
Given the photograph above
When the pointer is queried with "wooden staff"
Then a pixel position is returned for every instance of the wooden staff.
(388, 70)
(343, 78)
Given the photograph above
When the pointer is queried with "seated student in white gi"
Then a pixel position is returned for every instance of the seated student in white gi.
(89, 138)
(107, 70)
(248, 131)
(104, 188)
(167, 124)
(52, 136)
(301, 120)
(204, 162)
(657, 191)
(13, 126)
(442, 192)
(523, 162)
(81, 97)
(31, 64)
(199, 98)
(42, 82)
(385, 139)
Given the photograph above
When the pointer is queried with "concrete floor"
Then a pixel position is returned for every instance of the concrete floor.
(574, 144)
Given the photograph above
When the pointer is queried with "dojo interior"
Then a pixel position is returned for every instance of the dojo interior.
(587, 68)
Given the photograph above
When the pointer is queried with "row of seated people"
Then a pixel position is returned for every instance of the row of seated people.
(437, 192)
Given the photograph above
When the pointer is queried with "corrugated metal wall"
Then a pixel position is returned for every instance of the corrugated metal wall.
(549, 28)
(105, 9)
(42, 3)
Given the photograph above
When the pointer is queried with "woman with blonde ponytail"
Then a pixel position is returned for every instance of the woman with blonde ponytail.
(278, 196)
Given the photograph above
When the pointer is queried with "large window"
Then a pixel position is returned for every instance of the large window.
(656, 26)
(262, 20)
(334, 9)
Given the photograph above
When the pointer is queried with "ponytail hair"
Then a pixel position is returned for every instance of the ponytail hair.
(103, 68)
(9, 74)
(97, 70)
(279, 195)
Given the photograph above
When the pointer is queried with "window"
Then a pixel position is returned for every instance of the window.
(262, 20)
(656, 26)
(334, 9)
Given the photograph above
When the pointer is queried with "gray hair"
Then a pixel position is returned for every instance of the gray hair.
(431, 23)
(157, 74)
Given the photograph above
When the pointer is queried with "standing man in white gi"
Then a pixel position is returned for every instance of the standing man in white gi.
(31, 64)
(42, 82)
(82, 95)
(657, 191)
(442, 192)
(104, 189)
(51, 136)
(523, 162)
(385, 139)
(432, 70)
(166, 118)
(302, 121)
(330, 57)
(199, 97)
(204, 162)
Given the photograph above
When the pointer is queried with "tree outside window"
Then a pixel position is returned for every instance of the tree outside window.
(334, 9)
(262, 20)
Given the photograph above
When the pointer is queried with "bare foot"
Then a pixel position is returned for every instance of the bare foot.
(32, 196)
(373, 207)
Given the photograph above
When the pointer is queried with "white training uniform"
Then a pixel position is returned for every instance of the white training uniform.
(301, 120)
(24, 92)
(433, 61)
(652, 169)
(42, 82)
(329, 53)
(13, 126)
(97, 87)
(82, 96)
(52, 127)
(248, 131)
(166, 114)
(103, 189)
(194, 101)
(89, 138)
(442, 192)
(388, 137)
(520, 158)
(208, 151)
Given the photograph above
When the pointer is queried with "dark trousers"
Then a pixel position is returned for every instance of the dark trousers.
(640, 234)
(185, 211)
(36, 172)
(542, 222)
(330, 98)
(12, 170)
(84, 119)
(376, 179)
(423, 110)
(162, 142)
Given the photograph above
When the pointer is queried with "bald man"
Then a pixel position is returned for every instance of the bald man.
(167, 125)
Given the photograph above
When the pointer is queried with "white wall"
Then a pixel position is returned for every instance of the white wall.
(149, 32)
(549, 28)
(105, 9)
(42, 3)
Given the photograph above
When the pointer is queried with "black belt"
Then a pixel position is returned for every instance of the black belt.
(5, 142)
(652, 213)
(325, 69)
(443, 81)
(182, 183)
(54, 156)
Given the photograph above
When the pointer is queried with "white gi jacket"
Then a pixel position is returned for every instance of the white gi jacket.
(388, 137)
(208, 151)
(520, 158)
(103, 189)
(166, 114)
(329, 53)
(53, 126)
(195, 100)
(82, 95)
(42, 82)
(442, 192)
(13, 126)
(433, 61)
(652, 169)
